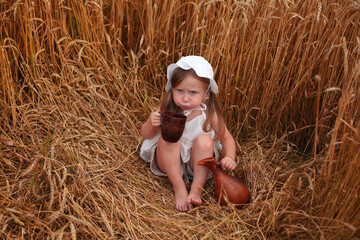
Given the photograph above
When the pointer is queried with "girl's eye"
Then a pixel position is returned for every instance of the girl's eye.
(179, 90)
(193, 92)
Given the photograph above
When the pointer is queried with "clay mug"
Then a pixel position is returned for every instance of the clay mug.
(172, 126)
(226, 186)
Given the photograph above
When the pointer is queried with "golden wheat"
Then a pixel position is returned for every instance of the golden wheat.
(79, 77)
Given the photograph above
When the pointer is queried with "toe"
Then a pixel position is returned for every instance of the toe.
(196, 201)
(190, 207)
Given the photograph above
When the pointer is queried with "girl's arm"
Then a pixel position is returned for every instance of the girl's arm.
(228, 143)
(152, 126)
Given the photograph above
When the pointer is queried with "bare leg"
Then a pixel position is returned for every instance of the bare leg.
(168, 160)
(203, 147)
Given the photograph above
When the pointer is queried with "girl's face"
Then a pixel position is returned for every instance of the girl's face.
(189, 93)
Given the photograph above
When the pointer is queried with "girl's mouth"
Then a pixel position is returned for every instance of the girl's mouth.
(185, 107)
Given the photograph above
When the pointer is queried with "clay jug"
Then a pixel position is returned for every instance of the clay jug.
(226, 186)
(172, 126)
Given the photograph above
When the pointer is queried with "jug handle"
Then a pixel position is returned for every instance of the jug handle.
(235, 173)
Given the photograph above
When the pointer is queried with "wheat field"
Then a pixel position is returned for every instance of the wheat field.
(78, 78)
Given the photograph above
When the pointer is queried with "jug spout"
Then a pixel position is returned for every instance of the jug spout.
(208, 162)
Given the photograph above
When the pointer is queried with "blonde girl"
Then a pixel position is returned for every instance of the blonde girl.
(190, 90)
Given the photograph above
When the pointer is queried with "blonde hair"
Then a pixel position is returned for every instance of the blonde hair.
(167, 102)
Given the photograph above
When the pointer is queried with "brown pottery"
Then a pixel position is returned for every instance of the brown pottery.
(227, 187)
(172, 126)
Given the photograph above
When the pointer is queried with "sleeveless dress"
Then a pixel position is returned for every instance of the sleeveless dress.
(193, 129)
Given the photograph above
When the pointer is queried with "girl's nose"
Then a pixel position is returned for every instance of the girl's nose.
(185, 98)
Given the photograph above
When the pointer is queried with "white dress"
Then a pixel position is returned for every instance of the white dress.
(193, 129)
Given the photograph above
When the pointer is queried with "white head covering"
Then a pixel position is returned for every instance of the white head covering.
(201, 67)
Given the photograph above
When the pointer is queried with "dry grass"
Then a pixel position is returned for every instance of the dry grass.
(79, 77)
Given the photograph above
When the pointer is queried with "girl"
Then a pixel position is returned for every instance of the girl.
(190, 90)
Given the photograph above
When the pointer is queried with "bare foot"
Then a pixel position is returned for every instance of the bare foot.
(194, 198)
(180, 201)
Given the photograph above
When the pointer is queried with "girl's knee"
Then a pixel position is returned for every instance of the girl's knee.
(167, 155)
(166, 150)
(167, 145)
(204, 143)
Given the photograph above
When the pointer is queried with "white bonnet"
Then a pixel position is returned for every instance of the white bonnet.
(201, 67)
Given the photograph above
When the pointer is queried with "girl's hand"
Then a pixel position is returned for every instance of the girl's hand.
(228, 163)
(155, 119)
